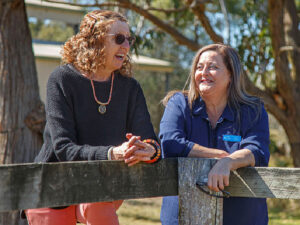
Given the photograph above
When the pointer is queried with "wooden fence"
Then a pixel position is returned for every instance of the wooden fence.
(24, 186)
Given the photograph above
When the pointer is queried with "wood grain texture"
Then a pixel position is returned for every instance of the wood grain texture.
(58, 184)
(196, 207)
(25, 186)
(262, 182)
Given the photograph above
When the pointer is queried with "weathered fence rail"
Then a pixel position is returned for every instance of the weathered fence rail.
(25, 186)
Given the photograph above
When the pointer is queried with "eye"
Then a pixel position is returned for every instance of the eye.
(199, 67)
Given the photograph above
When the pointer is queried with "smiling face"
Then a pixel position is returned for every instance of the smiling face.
(116, 54)
(212, 78)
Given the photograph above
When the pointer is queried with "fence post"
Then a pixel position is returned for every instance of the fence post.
(196, 207)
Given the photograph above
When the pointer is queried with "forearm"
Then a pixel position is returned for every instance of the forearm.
(199, 151)
(241, 158)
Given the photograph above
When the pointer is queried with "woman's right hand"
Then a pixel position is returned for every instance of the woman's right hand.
(119, 152)
(133, 151)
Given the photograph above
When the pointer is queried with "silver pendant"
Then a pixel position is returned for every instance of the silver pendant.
(102, 109)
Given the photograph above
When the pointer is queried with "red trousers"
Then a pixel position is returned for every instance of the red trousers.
(100, 213)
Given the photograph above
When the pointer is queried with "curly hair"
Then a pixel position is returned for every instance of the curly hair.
(86, 49)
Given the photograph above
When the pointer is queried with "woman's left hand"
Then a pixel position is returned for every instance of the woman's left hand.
(218, 176)
(143, 152)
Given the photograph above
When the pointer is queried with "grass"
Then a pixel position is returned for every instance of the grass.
(147, 212)
(284, 211)
(140, 211)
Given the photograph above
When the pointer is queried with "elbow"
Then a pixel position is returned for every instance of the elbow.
(174, 148)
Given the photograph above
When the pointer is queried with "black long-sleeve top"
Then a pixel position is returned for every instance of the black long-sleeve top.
(75, 130)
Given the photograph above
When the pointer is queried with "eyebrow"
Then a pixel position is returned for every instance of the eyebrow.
(211, 62)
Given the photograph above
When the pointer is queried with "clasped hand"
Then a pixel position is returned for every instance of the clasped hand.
(133, 150)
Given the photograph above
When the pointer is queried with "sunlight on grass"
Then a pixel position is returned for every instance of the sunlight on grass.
(140, 211)
(147, 212)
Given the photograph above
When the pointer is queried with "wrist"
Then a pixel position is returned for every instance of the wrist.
(115, 154)
(156, 156)
(109, 153)
(229, 162)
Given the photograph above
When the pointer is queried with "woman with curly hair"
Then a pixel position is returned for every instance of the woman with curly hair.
(95, 110)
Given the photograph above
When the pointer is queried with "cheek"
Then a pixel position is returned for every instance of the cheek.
(228, 80)
(197, 78)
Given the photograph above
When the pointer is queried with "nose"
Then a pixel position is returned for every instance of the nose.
(204, 70)
(126, 44)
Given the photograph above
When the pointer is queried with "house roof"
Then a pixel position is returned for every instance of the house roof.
(55, 11)
(49, 51)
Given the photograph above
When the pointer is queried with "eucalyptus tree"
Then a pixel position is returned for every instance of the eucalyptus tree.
(20, 105)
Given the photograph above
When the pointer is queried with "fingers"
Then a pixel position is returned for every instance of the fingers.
(218, 177)
(135, 153)
(217, 182)
(138, 155)
(133, 139)
(137, 150)
(224, 154)
(134, 160)
(128, 152)
(137, 139)
(129, 135)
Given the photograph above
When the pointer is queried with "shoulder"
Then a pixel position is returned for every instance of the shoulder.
(256, 107)
(128, 85)
(65, 75)
(254, 113)
(61, 73)
(177, 99)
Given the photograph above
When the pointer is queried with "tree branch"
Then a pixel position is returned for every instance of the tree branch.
(178, 36)
(225, 13)
(198, 8)
(166, 11)
(292, 39)
(273, 106)
(285, 84)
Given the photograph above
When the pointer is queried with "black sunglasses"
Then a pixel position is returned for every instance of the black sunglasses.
(120, 38)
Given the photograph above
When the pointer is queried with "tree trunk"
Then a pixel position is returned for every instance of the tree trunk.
(286, 47)
(19, 93)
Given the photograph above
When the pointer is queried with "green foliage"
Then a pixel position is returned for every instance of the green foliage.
(153, 85)
(254, 42)
(52, 31)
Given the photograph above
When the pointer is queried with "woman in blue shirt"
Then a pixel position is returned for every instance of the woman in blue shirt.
(216, 118)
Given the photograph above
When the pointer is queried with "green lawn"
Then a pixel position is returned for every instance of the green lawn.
(140, 211)
(147, 211)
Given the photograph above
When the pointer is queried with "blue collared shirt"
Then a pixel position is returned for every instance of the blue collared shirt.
(181, 128)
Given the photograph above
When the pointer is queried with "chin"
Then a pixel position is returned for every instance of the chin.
(205, 88)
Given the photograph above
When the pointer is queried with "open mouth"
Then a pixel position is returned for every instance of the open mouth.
(206, 81)
(120, 56)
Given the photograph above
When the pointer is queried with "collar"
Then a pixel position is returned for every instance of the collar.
(199, 109)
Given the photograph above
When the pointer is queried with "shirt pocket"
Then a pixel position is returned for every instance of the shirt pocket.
(230, 142)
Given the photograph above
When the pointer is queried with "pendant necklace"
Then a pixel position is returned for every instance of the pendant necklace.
(102, 105)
